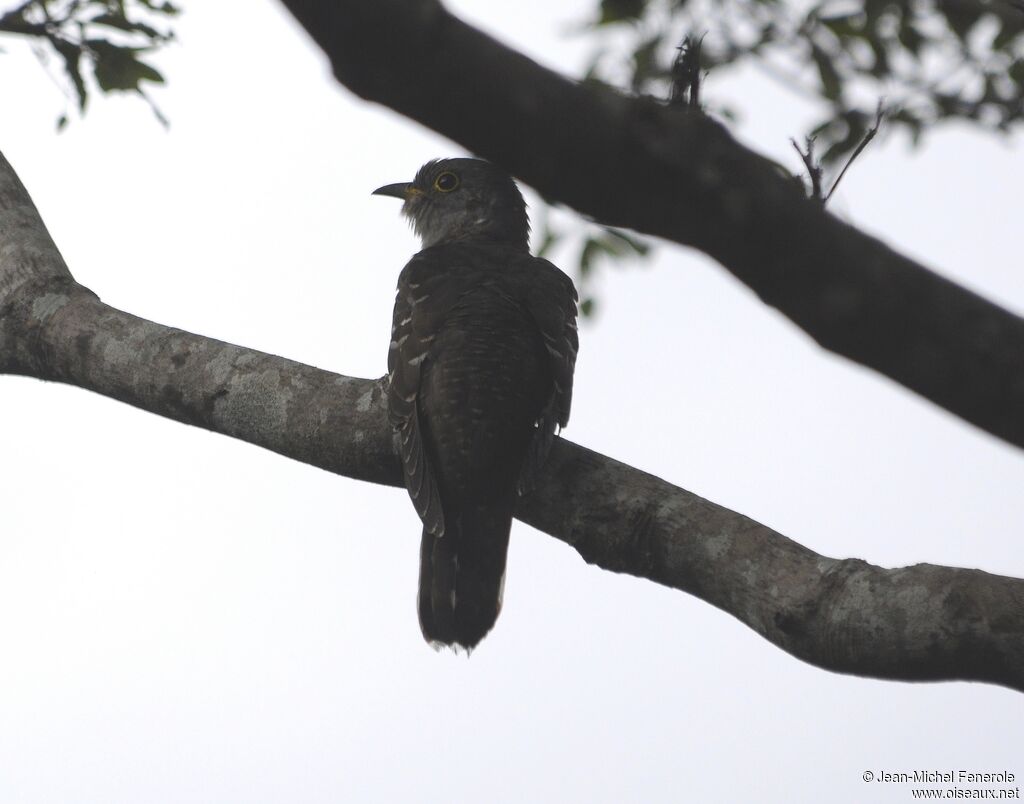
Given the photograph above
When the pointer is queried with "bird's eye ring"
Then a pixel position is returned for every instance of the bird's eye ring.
(446, 182)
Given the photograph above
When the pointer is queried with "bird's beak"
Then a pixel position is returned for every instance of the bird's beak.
(402, 189)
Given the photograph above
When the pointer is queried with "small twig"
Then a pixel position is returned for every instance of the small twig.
(686, 76)
(879, 114)
(813, 168)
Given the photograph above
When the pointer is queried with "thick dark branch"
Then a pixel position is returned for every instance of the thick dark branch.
(918, 623)
(636, 163)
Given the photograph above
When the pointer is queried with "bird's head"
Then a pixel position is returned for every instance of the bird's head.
(463, 199)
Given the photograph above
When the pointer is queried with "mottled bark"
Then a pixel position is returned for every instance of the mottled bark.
(917, 623)
(679, 175)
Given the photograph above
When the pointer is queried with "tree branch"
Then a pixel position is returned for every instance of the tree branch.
(636, 163)
(918, 623)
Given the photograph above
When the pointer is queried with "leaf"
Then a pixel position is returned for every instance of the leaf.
(1007, 35)
(610, 243)
(959, 18)
(831, 84)
(117, 68)
(765, 36)
(168, 8)
(72, 55)
(591, 248)
(845, 26)
(909, 119)
(874, 9)
(825, 129)
(880, 68)
(1016, 72)
(645, 63)
(549, 239)
(909, 36)
(124, 24)
(587, 307)
(614, 11)
(621, 244)
(855, 124)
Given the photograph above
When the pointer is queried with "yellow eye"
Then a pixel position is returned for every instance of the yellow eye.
(446, 182)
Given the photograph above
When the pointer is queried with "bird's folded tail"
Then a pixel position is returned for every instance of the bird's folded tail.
(461, 576)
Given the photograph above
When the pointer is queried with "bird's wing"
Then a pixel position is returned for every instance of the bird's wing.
(551, 299)
(412, 330)
(429, 286)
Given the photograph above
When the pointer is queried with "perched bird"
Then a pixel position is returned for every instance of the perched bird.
(483, 348)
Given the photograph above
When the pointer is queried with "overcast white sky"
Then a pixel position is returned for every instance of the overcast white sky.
(184, 617)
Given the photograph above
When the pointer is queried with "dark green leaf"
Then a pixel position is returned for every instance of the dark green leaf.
(909, 36)
(645, 62)
(909, 120)
(856, 126)
(117, 68)
(13, 19)
(831, 84)
(949, 105)
(844, 26)
(825, 129)
(765, 36)
(613, 11)
(960, 18)
(880, 68)
(124, 24)
(169, 9)
(1007, 35)
(874, 9)
(549, 239)
(621, 244)
(587, 307)
(1016, 72)
(72, 56)
(612, 246)
(591, 248)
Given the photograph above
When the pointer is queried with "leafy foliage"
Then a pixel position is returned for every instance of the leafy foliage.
(98, 43)
(597, 244)
(932, 60)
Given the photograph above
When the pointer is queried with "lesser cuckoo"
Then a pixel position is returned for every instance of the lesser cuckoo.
(483, 349)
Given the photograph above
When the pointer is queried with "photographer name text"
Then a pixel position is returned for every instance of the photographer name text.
(946, 777)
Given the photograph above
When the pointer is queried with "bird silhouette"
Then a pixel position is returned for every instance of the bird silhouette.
(483, 349)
